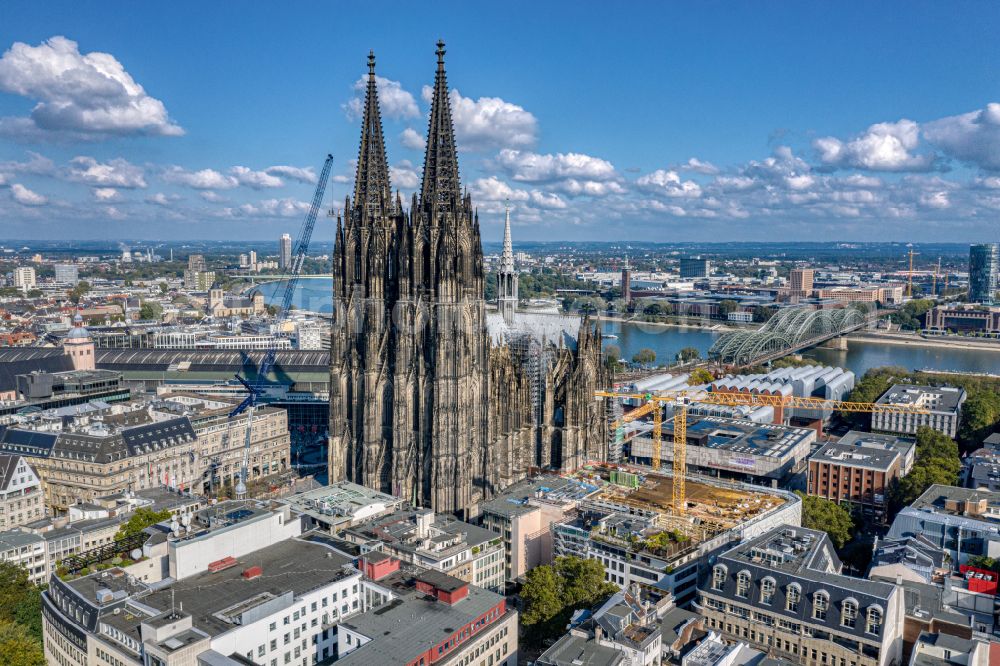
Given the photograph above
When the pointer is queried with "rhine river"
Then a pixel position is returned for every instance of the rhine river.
(315, 294)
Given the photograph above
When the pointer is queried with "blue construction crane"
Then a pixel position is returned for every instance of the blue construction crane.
(255, 388)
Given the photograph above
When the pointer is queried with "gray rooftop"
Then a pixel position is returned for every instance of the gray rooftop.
(861, 453)
(934, 398)
(411, 625)
(288, 566)
(573, 650)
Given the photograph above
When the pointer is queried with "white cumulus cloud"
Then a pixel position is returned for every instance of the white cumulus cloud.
(668, 183)
(256, 180)
(698, 166)
(26, 197)
(411, 139)
(404, 176)
(107, 194)
(971, 137)
(394, 100)
(84, 95)
(114, 173)
(490, 122)
(300, 174)
(882, 147)
(530, 167)
(205, 179)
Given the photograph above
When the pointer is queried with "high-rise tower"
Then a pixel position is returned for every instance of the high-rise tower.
(507, 276)
(984, 265)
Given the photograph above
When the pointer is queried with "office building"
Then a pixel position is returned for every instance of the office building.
(437, 541)
(956, 318)
(984, 266)
(68, 274)
(24, 278)
(260, 610)
(800, 281)
(858, 470)
(783, 593)
(523, 514)
(738, 449)
(285, 252)
(694, 268)
(621, 526)
(943, 405)
(180, 440)
(964, 522)
(432, 618)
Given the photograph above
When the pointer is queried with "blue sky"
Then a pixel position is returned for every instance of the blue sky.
(669, 121)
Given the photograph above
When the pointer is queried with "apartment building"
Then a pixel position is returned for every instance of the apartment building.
(783, 593)
(179, 440)
(21, 498)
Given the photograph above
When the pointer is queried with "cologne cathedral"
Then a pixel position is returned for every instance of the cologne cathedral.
(432, 397)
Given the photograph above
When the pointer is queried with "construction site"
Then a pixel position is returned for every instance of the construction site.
(712, 507)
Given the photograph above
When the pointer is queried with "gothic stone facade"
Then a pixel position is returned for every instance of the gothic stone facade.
(423, 404)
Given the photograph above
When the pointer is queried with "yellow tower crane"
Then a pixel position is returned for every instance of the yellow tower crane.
(653, 403)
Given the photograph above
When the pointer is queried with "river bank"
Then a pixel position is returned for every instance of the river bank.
(908, 340)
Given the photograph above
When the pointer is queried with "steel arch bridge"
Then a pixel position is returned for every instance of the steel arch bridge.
(787, 331)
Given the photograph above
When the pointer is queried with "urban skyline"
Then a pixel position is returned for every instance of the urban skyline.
(797, 140)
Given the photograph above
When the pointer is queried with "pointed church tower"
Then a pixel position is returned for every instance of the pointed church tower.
(507, 276)
(363, 274)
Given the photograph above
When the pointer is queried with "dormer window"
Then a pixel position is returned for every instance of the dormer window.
(718, 577)
(849, 613)
(793, 595)
(873, 621)
(767, 590)
(743, 584)
(821, 603)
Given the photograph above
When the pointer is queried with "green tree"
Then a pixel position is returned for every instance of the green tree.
(164, 288)
(761, 313)
(18, 647)
(688, 354)
(612, 356)
(822, 514)
(551, 593)
(644, 356)
(150, 310)
(140, 520)
(726, 306)
(937, 462)
(541, 594)
(78, 292)
(700, 376)
(582, 581)
(20, 600)
(980, 414)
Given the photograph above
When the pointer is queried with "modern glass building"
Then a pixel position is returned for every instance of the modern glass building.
(984, 263)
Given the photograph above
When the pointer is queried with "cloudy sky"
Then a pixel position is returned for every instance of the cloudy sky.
(667, 122)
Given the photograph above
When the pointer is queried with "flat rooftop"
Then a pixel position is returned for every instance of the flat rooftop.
(514, 500)
(934, 398)
(866, 455)
(289, 566)
(409, 626)
(573, 650)
(742, 436)
(342, 498)
(952, 500)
